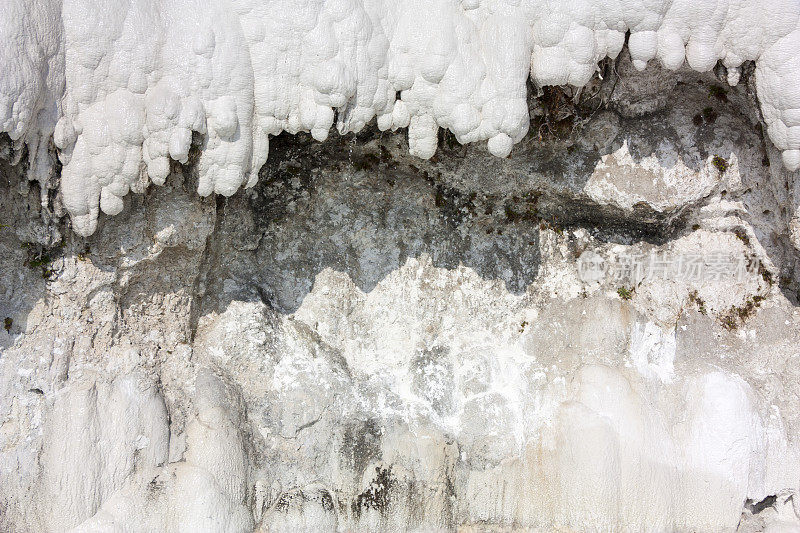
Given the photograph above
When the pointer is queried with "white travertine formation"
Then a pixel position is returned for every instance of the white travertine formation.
(129, 82)
(352, 347)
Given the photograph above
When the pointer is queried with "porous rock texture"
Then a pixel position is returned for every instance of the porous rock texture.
(365, 341)
(121, 88)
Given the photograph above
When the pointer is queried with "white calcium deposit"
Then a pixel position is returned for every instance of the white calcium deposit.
(369, 340)
(121, 84)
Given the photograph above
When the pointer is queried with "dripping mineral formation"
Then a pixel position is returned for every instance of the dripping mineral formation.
(122, 84)
(587, 322)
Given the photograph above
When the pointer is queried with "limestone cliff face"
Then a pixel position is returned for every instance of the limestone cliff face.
(600, 332)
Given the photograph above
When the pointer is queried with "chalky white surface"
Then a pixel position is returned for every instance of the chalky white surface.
(129, 82)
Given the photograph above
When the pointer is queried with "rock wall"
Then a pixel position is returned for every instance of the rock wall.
(600, 333)
(123, 89)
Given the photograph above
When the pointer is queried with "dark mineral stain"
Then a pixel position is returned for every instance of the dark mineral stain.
(377, 495)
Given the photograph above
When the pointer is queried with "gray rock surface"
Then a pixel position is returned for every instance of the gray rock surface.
(600, 332)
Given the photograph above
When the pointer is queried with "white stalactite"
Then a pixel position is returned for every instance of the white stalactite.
(118, 84)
